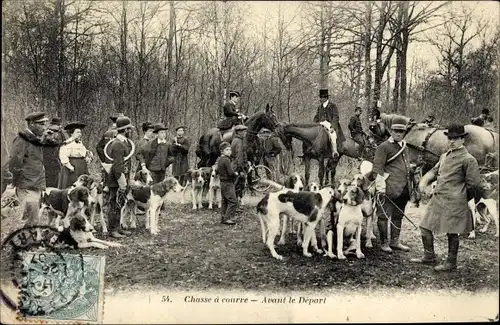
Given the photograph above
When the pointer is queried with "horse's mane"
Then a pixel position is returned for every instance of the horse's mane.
(387, 118)
(252, 118)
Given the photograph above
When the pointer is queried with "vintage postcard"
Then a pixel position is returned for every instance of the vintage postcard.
(195, 162)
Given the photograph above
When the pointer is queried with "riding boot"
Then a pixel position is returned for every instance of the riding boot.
(395, 231)
(384, 240)
(428, 243)
(451, 261)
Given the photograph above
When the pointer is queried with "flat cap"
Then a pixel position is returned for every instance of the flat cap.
(223, 145)
(36, 117)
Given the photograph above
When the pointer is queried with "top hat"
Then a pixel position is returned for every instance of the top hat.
(36, 117)
(70, 127)
(455, 131)
(123, 122)
(398, 123)
(234, 93)
(323, 93)
(146, 126)
(159, 127)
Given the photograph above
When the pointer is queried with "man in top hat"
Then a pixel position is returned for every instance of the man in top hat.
(180, 149)
(231, 112)
(484, 119)
(26, 165)
(458, 181)
(157, 154)
(329, 112)
(119, 151)
(239, 154)
(391, 166)
(55, 138)
(271, 148)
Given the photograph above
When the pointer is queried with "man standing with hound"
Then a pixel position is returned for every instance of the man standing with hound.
(239, 155)
(157, 154)
(180, 148)
(392, 167)
(119, 151)
(148, 129)
(458, 181)
(26, 166)
(227, 178)
(329, 112)
(55, 138)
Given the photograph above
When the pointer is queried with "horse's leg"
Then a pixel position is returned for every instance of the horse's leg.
(307, 167)
(333, 169)
(321, 170)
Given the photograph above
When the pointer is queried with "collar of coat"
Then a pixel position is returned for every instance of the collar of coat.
(325, 104)
(455, 149)
(30, 137)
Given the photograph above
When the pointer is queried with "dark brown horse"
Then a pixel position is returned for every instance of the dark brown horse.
(316, 145)
(208, 145)
(427, 144)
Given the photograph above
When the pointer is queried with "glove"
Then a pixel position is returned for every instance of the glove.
(380, 185)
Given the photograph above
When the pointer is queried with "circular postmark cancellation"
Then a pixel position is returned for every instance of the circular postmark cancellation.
(47, 281)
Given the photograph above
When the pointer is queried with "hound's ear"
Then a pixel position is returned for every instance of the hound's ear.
(360, 195)
(74, 195)
(288, 182)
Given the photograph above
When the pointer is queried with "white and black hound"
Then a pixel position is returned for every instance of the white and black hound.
(294, 182)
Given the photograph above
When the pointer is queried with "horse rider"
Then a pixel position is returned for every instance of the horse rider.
(392, 167)
(484, 119)
(356, 128)
(119, 151)
(458, 181)
(328, 111)
(231, 112)
(180, 148)
(239, 154)
(271, 148)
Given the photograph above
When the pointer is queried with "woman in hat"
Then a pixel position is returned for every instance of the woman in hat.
(73, 155)
(458, 181)
(53, 141)
(180, 149)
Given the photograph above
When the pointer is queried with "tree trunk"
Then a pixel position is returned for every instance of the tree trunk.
(170, 85)
(60, 63)
(368, 47)
(405, 40)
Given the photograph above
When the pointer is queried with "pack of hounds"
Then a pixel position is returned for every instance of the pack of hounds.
(340, 213)
(298, 208)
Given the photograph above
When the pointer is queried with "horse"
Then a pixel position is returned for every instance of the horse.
(208, 145)
(316, 145)
(426, 144)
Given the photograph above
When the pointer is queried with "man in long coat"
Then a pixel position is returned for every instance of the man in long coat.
(458, 181)
(328, 111)
(180, 149)
(392, 167)
(26, 165)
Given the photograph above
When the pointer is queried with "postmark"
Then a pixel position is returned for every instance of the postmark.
(51, 284)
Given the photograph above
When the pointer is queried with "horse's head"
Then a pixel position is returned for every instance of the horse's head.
(259, 120)
(270, 120)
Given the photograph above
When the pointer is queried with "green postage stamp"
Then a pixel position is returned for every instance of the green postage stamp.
(62, 288)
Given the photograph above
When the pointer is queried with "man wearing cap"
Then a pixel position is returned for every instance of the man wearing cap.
(157, 154)
(55, 137)
(328, 111)
(227, 176)
(231, 112)
(119, 151)
(73, 155)
(271, 148)
(458, 181)
(392, 167)
(180, 149)
(239, 155)
(26, 165)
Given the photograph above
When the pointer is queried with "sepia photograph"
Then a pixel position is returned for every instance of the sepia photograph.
(193, 162)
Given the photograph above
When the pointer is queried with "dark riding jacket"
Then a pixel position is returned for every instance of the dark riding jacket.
(330, 113)
(230, 109)
(355, 126)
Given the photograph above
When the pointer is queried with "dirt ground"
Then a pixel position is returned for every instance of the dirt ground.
(195, 251)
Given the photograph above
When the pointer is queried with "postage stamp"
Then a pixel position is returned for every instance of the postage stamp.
(62, 287)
